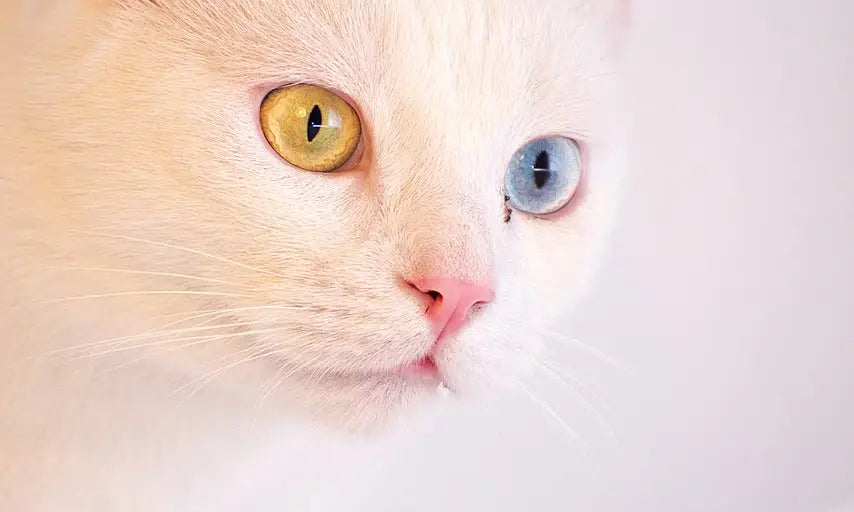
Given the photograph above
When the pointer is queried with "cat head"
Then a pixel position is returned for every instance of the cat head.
(468, 159)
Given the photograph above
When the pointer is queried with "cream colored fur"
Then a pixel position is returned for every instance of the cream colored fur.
(139, 197)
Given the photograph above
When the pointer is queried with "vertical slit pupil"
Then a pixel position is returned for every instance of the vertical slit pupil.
(315, 121)
(541, 169)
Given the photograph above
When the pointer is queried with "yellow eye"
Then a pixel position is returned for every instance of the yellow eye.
(310, 127)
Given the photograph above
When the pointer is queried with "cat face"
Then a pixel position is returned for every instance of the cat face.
(351, 292)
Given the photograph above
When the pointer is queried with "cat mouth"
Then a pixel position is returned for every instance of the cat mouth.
(423, 369)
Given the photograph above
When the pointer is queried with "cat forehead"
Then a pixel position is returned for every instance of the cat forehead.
(482, 26)
(463, 55)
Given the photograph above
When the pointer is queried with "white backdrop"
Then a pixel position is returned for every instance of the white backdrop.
(725, 299)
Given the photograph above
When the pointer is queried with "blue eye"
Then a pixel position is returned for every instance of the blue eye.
(542, 175)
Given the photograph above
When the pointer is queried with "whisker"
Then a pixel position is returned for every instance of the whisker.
(160, 331)
(139, 293)
(117, 341)
(216, 313)
(200, 312)
(209, 312)
(565, 382)
(569, 380)
(268, 384)
(318, 374)
(180, 248)
(195, 329)
(602, 75)
(210, 315)
(551, 412)
(556, 336)
(281, 376)
(199, 382)
(146, 273)
(198, 339)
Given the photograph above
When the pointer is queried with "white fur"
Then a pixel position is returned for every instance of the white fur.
(132, 162)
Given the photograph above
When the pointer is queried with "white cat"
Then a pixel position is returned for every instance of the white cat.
(271, 207)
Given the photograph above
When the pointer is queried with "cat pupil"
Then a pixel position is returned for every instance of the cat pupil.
(541, 169)
(315, 121)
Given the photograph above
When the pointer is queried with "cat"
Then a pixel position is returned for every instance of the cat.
(172, 259)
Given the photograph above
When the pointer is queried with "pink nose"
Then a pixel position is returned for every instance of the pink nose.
(451, 301)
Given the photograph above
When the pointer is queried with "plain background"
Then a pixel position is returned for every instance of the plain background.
(725, 300)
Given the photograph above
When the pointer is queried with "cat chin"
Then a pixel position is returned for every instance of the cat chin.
(369, 403)
(361, 404)
(370, 406)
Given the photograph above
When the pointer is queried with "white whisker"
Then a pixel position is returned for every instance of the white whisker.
(572, 381)
(198, 339)
(185, 249)
(156, 334)
(161, 331)
(146, 273)
(551, 412)
(210, 312)
(138, 293)
(564, 381)
(281, 376)
(199, 382)
(563, 338)
(601, 75)
(200, 312)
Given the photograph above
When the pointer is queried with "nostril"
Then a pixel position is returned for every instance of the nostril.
(475, 307)
(451, 301)
(428, 298)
